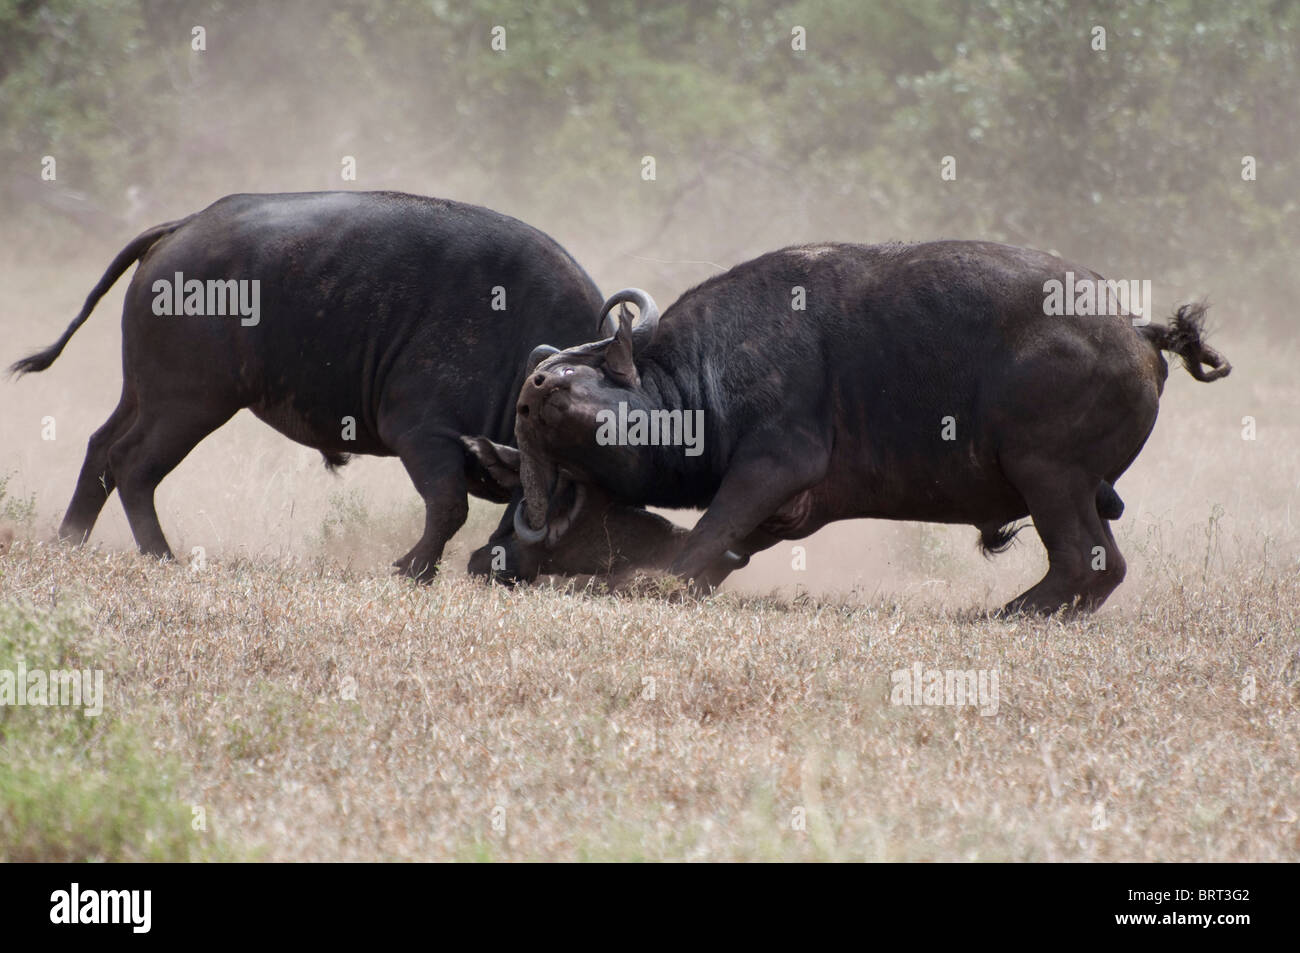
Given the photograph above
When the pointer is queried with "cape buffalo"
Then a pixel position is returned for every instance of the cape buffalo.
(595, 535)
(352, 322)
(916, 382)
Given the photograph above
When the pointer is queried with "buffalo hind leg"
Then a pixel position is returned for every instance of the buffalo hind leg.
(1084, 564)
(160, 438)
(437, 468)
(96, 482)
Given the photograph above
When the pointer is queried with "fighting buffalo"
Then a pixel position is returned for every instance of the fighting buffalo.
(934, 382)
(352, 322)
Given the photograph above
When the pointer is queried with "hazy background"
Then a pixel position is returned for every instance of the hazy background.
(1127, 160)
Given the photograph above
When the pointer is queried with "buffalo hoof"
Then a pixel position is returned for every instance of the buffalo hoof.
(657, 584)
(667, 586)
(1021, 606)
(421, 570)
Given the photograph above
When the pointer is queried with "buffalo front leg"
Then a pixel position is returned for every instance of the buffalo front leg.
(754, 489)
(437, 468)
(735, 558)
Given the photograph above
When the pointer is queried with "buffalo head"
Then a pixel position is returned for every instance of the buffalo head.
(589, 533)
(584, 486)
(566, 399)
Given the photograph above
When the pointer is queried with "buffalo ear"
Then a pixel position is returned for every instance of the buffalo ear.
(619, 364)
(491, 470)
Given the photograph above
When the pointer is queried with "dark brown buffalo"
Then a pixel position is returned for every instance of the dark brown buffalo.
(595, 535)
(921, 382)
(386, 324)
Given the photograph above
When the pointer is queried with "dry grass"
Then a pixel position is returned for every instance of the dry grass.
(1124, 737)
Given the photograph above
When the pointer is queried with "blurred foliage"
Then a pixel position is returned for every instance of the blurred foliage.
(16, 509)
(1128, 159)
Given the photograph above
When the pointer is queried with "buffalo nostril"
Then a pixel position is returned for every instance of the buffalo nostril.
(523, 410)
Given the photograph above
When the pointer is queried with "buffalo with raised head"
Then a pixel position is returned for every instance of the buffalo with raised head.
(926, 382)
(352, 322)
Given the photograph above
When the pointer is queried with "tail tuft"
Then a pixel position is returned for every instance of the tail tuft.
(996, 539)
(1184, 336)
(38, 361)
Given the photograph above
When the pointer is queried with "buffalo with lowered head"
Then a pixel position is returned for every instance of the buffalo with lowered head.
(352, 322)
(919, 382)
(593, 535)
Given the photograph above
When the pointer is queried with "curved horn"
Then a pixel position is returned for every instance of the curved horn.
(558, 527)
(525, 532)
(645, 304)
(539, 354)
